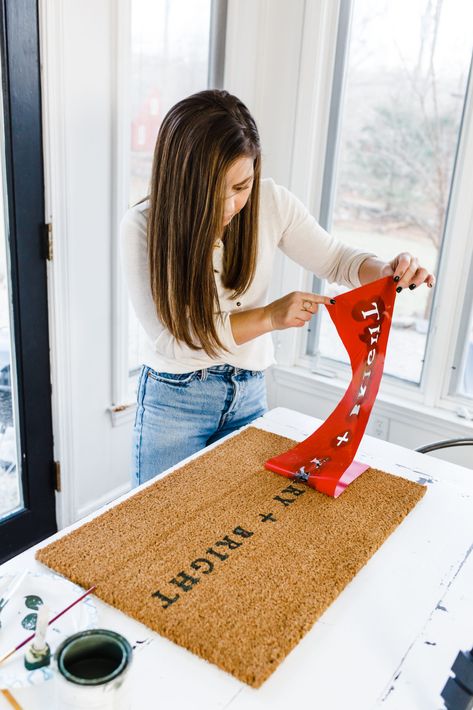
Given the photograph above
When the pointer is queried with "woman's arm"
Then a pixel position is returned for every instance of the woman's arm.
(290, 311)
(306, 243)
(295, 309)
(250, 324)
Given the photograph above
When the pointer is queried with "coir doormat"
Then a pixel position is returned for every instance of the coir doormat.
(232, 561)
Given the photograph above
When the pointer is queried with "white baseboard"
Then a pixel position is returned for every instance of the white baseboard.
(97, 503)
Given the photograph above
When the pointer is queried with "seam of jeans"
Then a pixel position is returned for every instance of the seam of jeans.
(141, 396)
(174, 383)
(138, 389)
(226, 406)
(233, 402)
(138, 453)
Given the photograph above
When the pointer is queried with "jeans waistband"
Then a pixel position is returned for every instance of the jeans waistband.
(227, 369)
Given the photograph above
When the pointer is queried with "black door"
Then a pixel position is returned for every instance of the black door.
(27, 499)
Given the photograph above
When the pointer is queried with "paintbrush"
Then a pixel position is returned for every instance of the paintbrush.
(25, 641)
(10, 699)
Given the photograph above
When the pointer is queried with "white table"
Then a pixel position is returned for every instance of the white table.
(387, 642)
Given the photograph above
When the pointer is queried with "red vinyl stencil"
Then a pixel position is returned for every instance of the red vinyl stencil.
(324, 460)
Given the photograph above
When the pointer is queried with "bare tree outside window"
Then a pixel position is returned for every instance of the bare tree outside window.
(405, 90)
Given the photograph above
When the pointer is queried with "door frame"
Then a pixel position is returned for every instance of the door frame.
(24, 184)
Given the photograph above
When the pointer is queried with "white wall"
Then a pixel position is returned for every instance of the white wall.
(77, 41)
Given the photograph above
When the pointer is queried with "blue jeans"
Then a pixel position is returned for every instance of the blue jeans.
(177, 415)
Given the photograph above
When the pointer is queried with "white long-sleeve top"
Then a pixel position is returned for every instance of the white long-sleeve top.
(284, 223)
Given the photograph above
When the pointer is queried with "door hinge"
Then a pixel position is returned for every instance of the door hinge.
(57, 476)
(47, 241)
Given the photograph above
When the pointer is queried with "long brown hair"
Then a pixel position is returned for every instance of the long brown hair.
(199, 139)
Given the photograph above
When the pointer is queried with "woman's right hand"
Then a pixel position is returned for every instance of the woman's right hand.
(290, 311)
(294, 309)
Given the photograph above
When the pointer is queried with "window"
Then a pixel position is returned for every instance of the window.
(11, 490)
(165, 51)
(27, 499)
(169, 61)
(395, 130)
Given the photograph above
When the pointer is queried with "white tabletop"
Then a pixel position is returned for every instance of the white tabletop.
(388, 641)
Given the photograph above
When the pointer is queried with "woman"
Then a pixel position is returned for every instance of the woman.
(198, 257)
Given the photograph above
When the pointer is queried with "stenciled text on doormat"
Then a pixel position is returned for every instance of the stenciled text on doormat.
(229, 560)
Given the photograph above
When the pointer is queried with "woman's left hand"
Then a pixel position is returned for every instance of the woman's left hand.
(407, 272)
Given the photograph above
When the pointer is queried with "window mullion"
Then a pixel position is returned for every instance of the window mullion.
(330, 24)
(460, 355)
(448, 316)
(452, 310)
(452, 387)
(217, 41)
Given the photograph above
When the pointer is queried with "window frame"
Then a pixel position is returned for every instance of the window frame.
(122, 407)
(453, 296)
(460, 355)
(24, 214)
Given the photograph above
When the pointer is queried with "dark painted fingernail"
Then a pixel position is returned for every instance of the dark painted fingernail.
(332, 300)
(412, 287)
(396, 278)
(399, 289)
(430, 285)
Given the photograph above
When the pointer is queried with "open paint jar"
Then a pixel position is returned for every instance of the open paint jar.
(92, 667)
